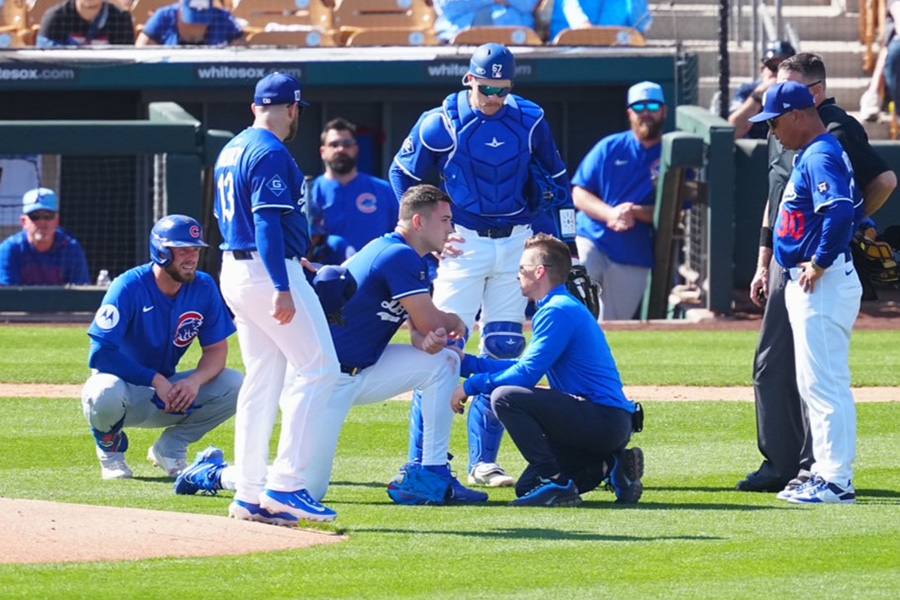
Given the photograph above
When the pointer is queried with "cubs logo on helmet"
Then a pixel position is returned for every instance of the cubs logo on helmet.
(187, 329)
(174, 231)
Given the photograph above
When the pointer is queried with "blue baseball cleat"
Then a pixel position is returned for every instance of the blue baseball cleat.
(246, 511)
(550, 495)
(204, 475)
(458, 494)
(297, 503)
(625, 477)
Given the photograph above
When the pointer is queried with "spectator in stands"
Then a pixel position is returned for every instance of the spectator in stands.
(747, 101)
(581, 14)
(455, 15)
(347, 209)
(42, 253)
(85, 23)
(614, 189)
(192, 23)
(892, 60)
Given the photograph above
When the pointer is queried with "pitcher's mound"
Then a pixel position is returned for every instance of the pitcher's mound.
(36, 531)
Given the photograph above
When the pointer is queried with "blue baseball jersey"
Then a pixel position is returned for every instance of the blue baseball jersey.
(619, 169)
(484, 160)
(151, 332)
(822, 176)
(359, 212)
(162, 28)
(567, 345)
(22, 264)
(255, 170)
(386, 270)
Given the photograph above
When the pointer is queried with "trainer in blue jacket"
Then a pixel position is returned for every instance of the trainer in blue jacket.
(574, 434)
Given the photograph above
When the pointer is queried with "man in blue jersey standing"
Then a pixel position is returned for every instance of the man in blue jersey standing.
(819, 209)
(392, 279)
(285, 342)
(574, 434)
(483, 141)
(149, 317)
(615, 189)
(348, 209)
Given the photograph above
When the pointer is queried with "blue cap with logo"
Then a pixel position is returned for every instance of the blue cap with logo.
(277, 88)
(782, 98)
(335, 286)
(646, 91)
(197, 12)
(39, 199)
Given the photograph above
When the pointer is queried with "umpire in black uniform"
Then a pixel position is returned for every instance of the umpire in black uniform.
(782, 427)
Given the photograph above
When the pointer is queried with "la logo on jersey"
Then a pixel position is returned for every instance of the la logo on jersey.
(107, 317)
(187, 329)
(366, 203)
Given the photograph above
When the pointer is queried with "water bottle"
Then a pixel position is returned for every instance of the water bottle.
(103, 279)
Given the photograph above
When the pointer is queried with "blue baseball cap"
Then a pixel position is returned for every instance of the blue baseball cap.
(782, 98)
(645, 91)
(335, 286)
(39, 199)
(197, 12)
(277, 88)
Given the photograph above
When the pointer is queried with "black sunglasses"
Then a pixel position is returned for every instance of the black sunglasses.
(640, 107)
(500, 92)
(40, 215)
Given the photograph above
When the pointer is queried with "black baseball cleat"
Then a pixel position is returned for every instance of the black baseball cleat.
(757, 481)
(625, 477)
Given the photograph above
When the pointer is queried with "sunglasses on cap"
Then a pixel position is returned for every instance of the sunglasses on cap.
(341, 144)
(640, 107)
(42, 215)
(500, 92)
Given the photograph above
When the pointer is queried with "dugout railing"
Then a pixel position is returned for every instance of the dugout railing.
(138, 171)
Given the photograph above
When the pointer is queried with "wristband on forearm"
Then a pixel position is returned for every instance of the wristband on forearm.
(766, 237)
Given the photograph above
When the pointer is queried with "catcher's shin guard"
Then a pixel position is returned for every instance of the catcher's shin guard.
(485, 432)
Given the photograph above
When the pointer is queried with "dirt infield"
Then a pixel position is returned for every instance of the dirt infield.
(35, 531)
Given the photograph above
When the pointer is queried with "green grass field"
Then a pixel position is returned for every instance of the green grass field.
(690, 537)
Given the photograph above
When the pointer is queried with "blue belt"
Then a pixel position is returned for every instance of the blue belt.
(496, 232)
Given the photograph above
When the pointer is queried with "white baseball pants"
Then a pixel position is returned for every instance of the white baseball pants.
(400, 369)
(822, 323)
(298, 357)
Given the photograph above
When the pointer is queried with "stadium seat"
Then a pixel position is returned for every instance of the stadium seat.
(310, 37)
(350, 17)
(257, 14)
(600, 36)
(15, 14)
(387, 36)
(509, 36)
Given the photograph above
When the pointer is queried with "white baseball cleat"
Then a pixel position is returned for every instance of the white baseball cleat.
(490, 475)
(113, 465)
(172, 466)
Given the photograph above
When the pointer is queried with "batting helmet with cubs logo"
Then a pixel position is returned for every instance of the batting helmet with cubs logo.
(174, 231)
(493, 61)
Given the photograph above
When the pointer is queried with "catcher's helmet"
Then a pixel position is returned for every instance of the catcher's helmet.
(174, 231)
(777, 51)
(335, 287)
(493, 61)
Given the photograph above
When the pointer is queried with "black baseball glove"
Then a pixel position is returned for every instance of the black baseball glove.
(581, 286)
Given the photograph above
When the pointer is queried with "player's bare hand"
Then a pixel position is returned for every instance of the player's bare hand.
(622, 217)
(809, 276)
(451, 246)
(435, 341)
(182, 395)
(283, 309)
(458, 400)
(759, 287)
(162, 387)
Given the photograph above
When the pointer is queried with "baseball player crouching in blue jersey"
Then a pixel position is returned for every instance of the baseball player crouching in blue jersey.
(614, 189)
(149, 317)
(819, 207)
(574, 434)
(482, 140)
(285, 342)
(392, 286)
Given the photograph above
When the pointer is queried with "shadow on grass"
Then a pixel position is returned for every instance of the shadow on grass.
(543, 534)
(696, 489)
(677, 506)
(366, 484)
(156, 479)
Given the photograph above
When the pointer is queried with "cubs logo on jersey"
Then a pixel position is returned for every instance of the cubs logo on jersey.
(187, 329)
(366, 203)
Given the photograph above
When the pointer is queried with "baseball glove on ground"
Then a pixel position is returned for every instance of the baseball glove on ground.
(416, 485)
(581, 286)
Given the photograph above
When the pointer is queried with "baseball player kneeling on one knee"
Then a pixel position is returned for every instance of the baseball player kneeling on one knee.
(149, 318)
(574, 435)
